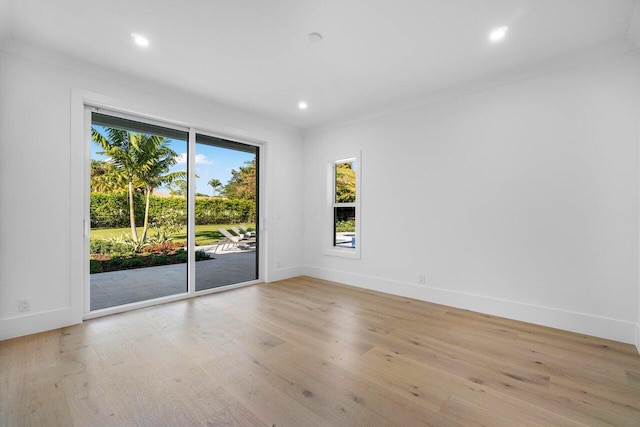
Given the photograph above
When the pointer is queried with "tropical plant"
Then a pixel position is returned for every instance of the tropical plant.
(131, 246)
(142, 161)
(345, 183)
(167, 225)
(242, 184)
(105, 178)
(179, 187)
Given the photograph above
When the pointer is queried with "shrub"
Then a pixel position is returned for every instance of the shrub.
(133, 262)
(224, 211)
(108, 247)
(95, 266)
(168, 223)
(127, 245)
(97, 246)
(105, 264)
(163, 248)
(116, 261)
(159, 260)
(344, 226)
(112, 210)
(181, 256)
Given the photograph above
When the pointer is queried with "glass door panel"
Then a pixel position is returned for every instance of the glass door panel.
(138, 211)
(226, 203)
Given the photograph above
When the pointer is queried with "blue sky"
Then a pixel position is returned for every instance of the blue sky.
(211, 162)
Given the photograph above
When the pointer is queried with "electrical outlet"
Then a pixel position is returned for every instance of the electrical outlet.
(24, 304)
(422, 279)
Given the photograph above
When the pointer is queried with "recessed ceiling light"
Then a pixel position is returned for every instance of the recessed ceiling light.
(498, 33)
(140, 40)
(302, 105)
(314, 37)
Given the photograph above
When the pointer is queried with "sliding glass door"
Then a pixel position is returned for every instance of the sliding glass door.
(172, 211)
(228, 215)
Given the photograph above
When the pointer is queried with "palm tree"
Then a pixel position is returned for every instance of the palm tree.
(215, 183)
(179, 187)
(142, 160)
(105, 178)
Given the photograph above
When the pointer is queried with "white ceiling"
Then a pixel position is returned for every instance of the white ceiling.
(254, 54)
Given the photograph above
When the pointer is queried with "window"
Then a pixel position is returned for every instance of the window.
(345, 208)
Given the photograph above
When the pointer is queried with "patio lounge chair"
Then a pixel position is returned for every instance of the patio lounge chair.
(231, 241)
(246, 231)
(238, 232)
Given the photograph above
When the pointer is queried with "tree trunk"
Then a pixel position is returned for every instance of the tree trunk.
(146, 213)
(132, 213)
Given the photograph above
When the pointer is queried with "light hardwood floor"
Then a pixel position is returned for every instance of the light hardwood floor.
(305, 352)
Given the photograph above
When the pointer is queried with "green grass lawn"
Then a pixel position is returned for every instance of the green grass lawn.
(205, 234)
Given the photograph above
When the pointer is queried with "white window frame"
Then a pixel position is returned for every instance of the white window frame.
(330, 248)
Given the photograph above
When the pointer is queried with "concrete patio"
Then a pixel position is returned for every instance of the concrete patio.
(127, 286)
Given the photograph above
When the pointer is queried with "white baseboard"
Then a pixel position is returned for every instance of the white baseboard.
(603, 327)
(37, 322)
(284, 273)
(638, 337)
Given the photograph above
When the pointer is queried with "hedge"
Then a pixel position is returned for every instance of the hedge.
(112, 210)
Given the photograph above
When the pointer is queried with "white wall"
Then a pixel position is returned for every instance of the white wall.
(5, 13)
(519, 201)
(39, 172)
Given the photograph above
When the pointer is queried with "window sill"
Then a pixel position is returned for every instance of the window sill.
(343, 252)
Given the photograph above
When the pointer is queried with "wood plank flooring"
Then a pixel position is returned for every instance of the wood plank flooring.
(305, 352)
